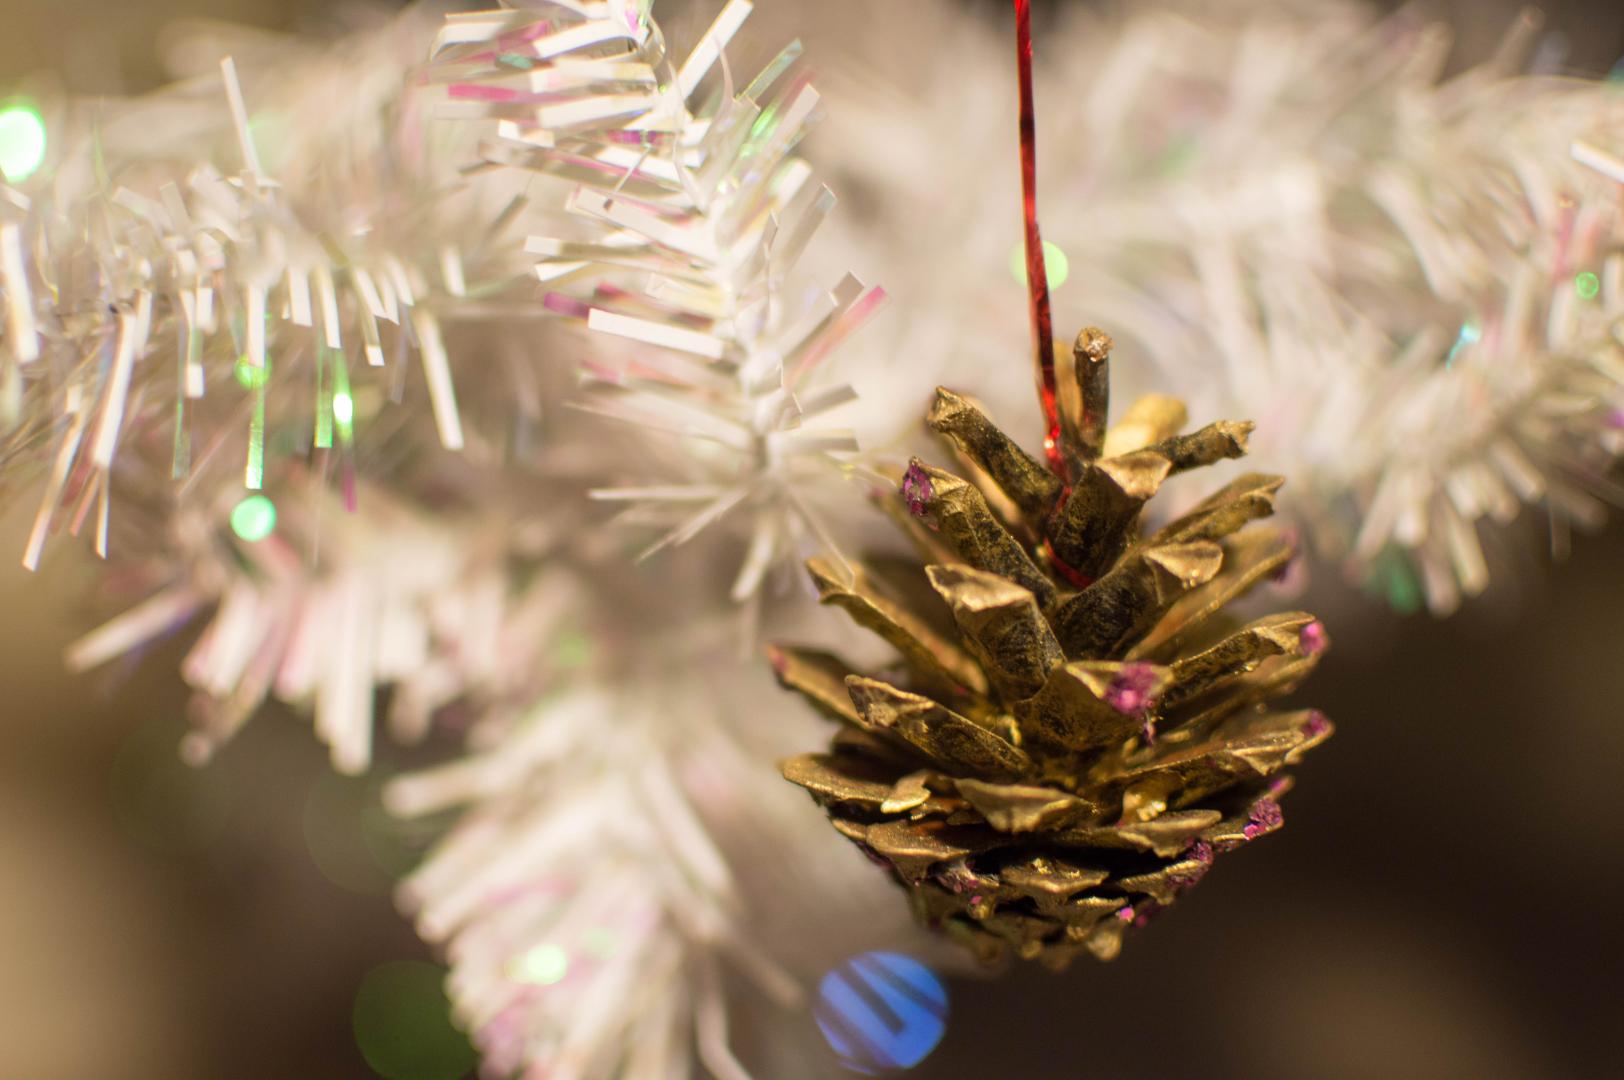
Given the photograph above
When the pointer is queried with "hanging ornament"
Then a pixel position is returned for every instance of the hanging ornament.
(1076, 726)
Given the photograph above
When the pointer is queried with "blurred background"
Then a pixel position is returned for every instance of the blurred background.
(1446, 903)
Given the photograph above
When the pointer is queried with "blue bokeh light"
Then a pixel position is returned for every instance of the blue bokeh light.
(882, 1012)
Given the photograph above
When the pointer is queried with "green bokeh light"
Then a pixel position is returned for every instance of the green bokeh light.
(251, 377)
(542, 966)
(1588, 285)
(254, 518)
(600, 942)
(352, 839)
(1392, 577)
(402, 1024)
(1179, 157)
(573, 650)
(1055, 263)
(162, 802)
(22, 142)
(1470, 334)
(343, 408)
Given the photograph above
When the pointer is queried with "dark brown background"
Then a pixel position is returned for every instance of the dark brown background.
(1445, 903)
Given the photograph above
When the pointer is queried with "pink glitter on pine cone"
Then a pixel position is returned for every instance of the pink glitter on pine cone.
(916, 489)
(1264, 818)
(1130, 691)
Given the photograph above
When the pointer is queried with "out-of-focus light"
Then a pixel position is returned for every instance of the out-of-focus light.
(600, 942)
(22, 142)
(573, 650)
(254, 518)
(881, 1011)
(343, 408)
(1055, 264)
(250, 376)
(543, 965)
(1470, 334)
(402, 1024)
(1587, 285)
(1392, 578)
(355, 843)
(161, 800)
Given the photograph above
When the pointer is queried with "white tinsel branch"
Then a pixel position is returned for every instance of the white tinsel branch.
(581, 899)
(684, 227)
(179, 291)
(444, 606)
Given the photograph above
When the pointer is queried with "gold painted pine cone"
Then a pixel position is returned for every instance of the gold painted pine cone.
(1075, 727)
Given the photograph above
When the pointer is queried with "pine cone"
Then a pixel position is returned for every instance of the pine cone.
(1069, 741)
